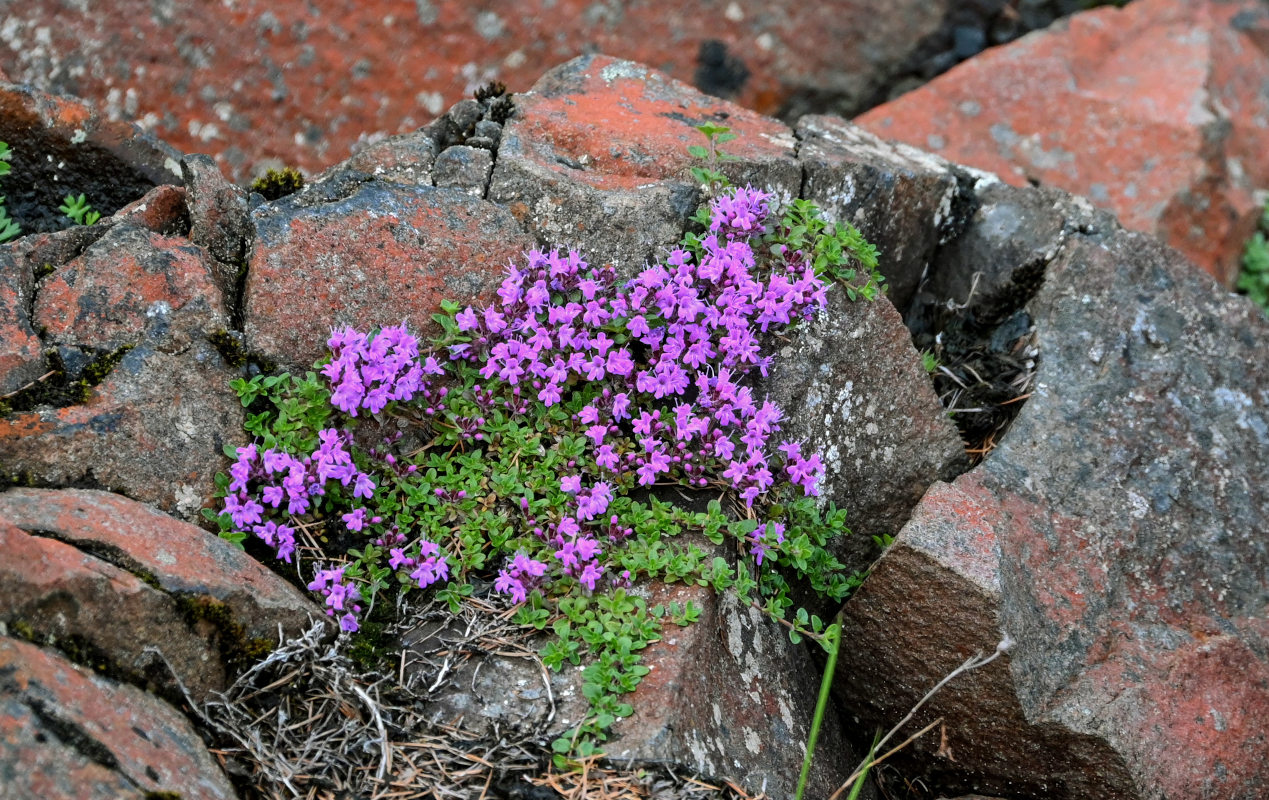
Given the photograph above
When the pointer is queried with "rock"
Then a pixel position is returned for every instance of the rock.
(381, 254)
(1154, 111)
(1112, 536)
(853, 390)
(174, 556)
(726, 696)
(71, 735)
(729, 696)
(112, 294)
(405, 159)
(102, 615)
(163, 210)
(61, 145)
(256, 84)
(464, 168)
(219, 219)
(153, 430)
(596, 158)
(904, 201)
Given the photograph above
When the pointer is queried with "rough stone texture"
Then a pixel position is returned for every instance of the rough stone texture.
(727, 697)
(378, 255)
(903, 200)
(182, 558)
(464, 168)
(66, 734)
(406, 159)
(154, 429)
(61, 145)
(110, 295)
(1010, 228)
(304, 82)
(102, 614)
(853, 390)
(1115, 535)
(163, 210)
(1155, 111)
(596, 158)
(20, 347)
(219, 218)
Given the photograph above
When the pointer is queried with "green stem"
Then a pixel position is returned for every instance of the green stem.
(832, 642)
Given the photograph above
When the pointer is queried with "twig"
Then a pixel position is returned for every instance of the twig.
(973, 662)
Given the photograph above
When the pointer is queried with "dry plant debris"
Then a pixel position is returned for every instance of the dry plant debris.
(306, 722)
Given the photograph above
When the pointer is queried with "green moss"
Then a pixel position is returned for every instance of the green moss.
(237, 356)
(237, 649)
(22, 630)
(491, 90)
(43, 271)
(57, 388)
(161, 796)
(276, 184)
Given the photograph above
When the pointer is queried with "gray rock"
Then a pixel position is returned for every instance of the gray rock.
(902, 200)
(727, 696)
(72, 735)
(406, 159)
(464, 115)
(219, 218)
(489, 129)
(464, 168)
(153, 430)
(1114, 536)
(853, 390)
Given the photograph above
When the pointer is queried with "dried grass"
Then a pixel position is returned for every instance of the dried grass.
(305, 723)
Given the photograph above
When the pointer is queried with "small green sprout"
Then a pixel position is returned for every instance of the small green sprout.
(79, 210)
(8, 228)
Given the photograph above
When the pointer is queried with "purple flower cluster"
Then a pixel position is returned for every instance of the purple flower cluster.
(691, 329)
(523, 574)
(276, 482)
(341, 595)
(367, 373)
(426, 566)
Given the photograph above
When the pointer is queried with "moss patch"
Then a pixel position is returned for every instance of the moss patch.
(276, 184)
(230, 347)
(237, 650)
(58, 388)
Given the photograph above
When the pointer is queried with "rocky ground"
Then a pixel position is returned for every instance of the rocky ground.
(1096, 498)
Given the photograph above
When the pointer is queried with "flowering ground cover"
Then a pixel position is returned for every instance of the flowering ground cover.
(527, 447)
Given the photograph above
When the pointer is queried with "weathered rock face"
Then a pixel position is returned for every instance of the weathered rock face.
(1113, 536)
(1154, 111)
(904, 201)
(727, 696)
(134, 592)
(379, 255)
(302, 83)
(596, 158)
(852, 388)
(71, 735)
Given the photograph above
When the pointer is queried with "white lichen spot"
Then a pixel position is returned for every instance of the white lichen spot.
(735, 637)
(78, 136)
(188, 502)
(786, 713)
(752, 743)
(718, 714)
(765, 41)
(734, 12)
(1138, 506)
